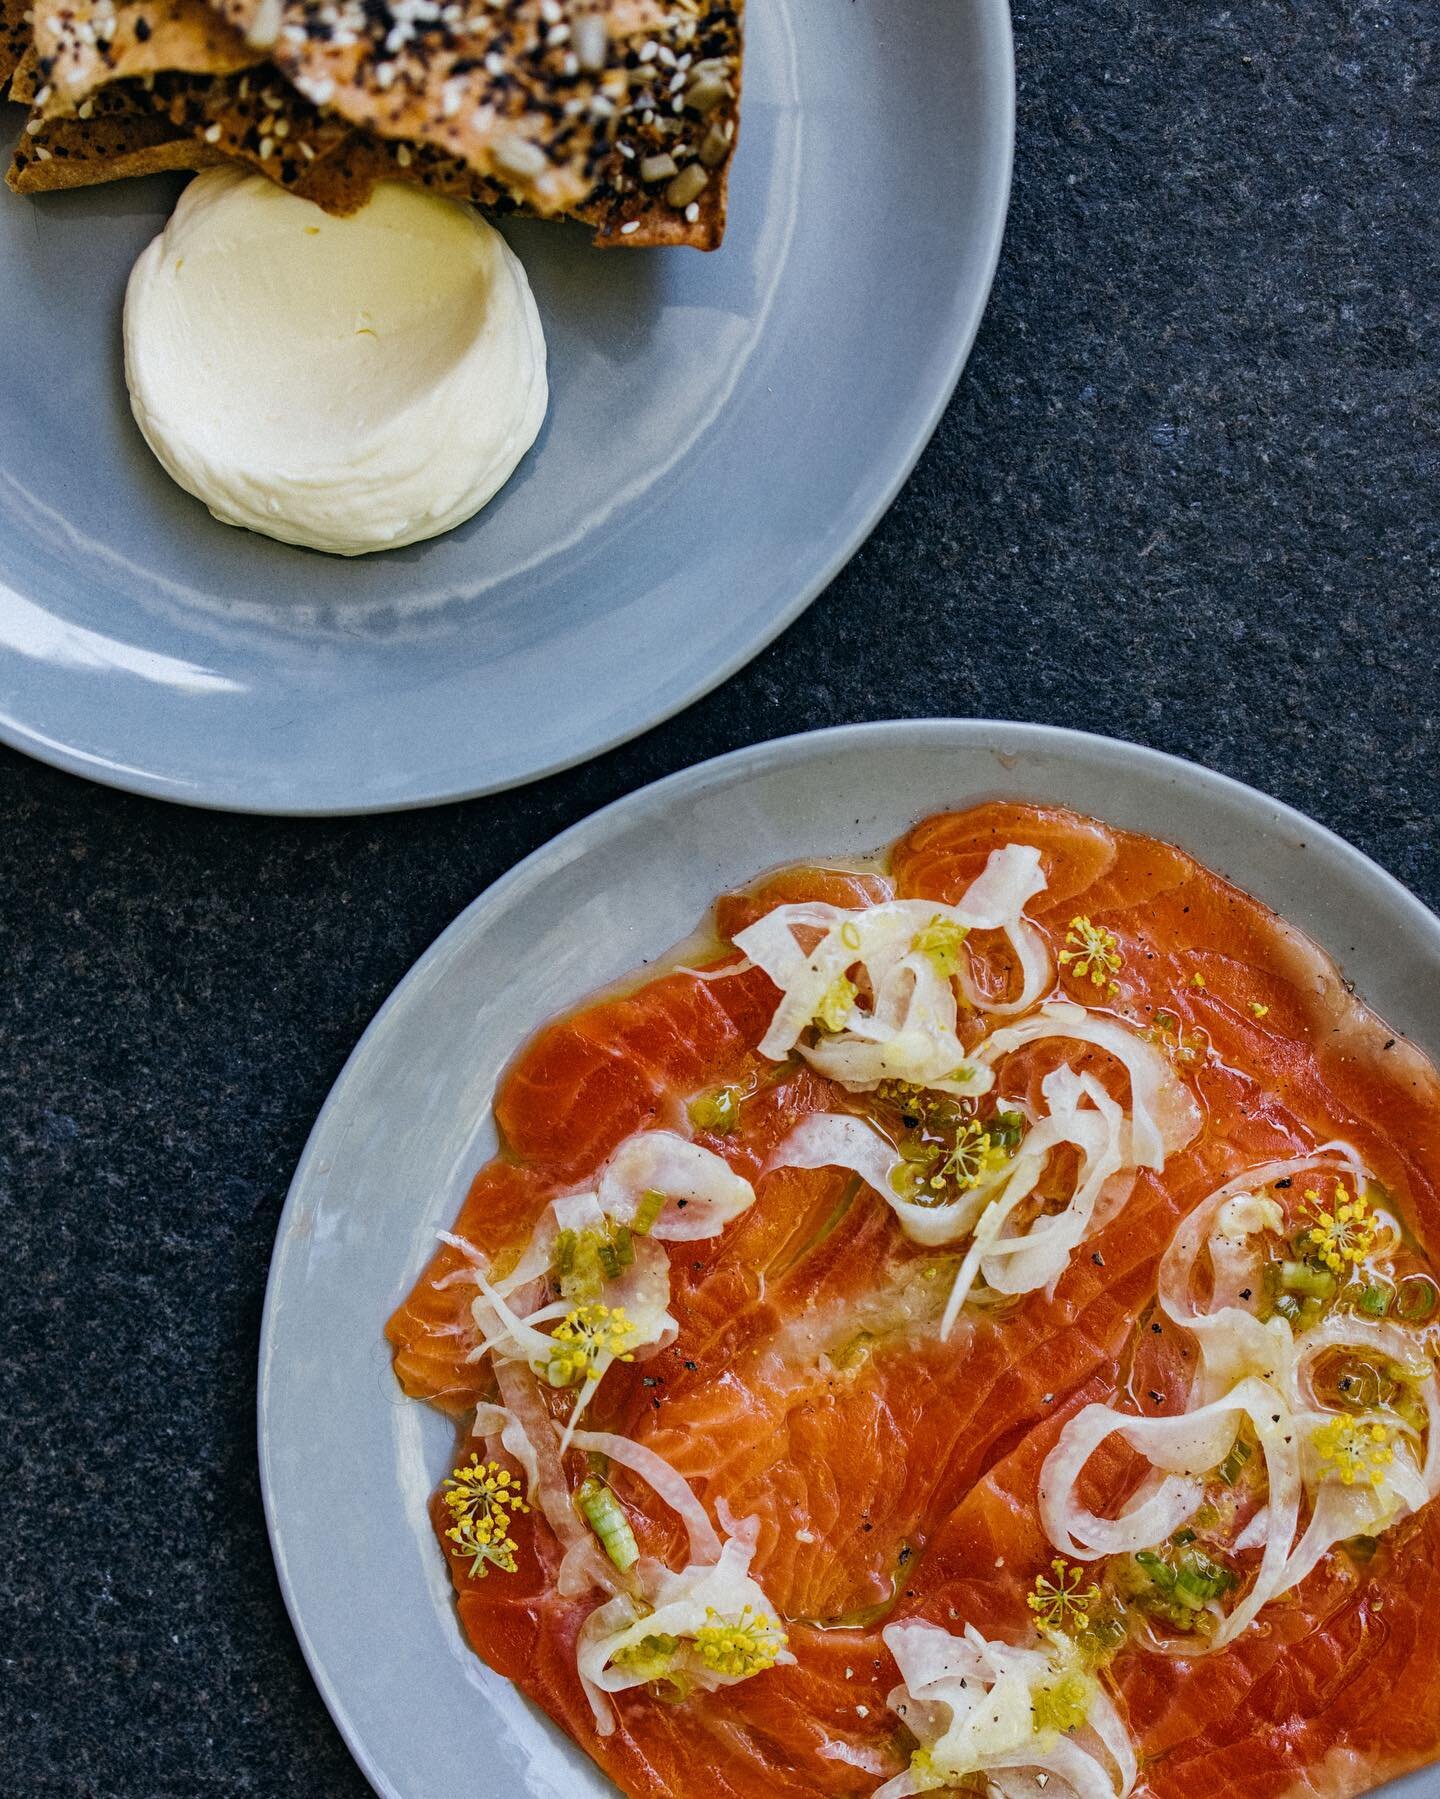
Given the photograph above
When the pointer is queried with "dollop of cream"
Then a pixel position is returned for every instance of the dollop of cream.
(348, 384)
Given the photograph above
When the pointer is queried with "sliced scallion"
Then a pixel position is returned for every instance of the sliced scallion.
(601, 1511)
(651, 1205)
(1416, 1298)
(1302, 1277)
(717, 1110)
(1374, 1302)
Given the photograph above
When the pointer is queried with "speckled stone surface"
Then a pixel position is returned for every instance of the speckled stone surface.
(1186, 494)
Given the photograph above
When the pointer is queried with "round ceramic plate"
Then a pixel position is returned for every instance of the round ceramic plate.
(408, 1124)
(724, 431)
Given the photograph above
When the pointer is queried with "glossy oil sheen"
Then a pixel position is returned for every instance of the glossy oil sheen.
(393, 1153)
(724, 430)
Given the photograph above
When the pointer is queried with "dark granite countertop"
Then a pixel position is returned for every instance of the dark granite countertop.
(1186, 494)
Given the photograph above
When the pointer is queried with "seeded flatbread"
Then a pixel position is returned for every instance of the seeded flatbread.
(133, 128)
(239, 109)
(85, 44)
(624, 111)
(14, 38)
(143, 127)
(121, 138)
(22, 81)
(254, 117)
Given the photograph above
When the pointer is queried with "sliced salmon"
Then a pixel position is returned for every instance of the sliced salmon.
(893, 1475)
(1334, 1692)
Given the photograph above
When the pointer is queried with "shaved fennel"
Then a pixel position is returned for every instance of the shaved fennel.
(910, 955)
(983, 1707)
(1346, 1472)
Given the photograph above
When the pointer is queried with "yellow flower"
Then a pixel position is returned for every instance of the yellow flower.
(1062, 1604)
(937, 1179)
(587, 1340)
(1343, 1234)
(1065, 1705)
(1096, 955)
(481, 1498)
(1197, 980)
(748, 1646)
(923, 1772)
(650, 1657)
(1355, 1450)
(835, 1004)
(976, 1154)
(1257, 1009)
(941, 941)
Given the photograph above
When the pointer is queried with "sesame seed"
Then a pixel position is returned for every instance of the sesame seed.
(212, 134)
(517, 156)
(264, 27)
(591, 39)
(267, 148)
(630, 228)
(402, 155)
(692, 212)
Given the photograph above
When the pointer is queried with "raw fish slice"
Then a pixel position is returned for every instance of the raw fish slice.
(593, 1078)
(891, 1474)
(1340, 1690)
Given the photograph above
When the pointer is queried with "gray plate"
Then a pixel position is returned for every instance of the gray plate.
(407, 1125)
(724, 432)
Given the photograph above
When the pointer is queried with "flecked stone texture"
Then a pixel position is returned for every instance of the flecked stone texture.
(1186, 494)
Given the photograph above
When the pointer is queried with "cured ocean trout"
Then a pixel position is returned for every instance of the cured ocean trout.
(971, 1329)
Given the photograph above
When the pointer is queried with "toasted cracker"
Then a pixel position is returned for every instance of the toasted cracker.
(84, 45)
(246, 111)
(256, 118)
(14, 38)
(121, 138)
(563, 104)
(24, 82)
(179, 122)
